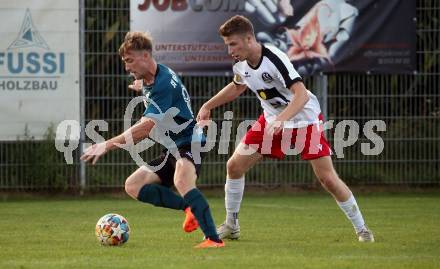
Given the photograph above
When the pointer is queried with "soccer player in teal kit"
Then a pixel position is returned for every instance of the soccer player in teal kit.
(168, 110)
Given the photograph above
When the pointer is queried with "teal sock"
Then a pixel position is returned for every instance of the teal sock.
(159, 195)
(200, 208)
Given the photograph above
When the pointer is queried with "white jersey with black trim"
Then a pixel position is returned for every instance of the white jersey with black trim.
(270, 80)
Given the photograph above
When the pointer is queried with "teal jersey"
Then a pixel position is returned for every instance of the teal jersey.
(168, 104)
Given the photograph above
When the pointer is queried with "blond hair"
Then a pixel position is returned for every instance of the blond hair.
(136, 41)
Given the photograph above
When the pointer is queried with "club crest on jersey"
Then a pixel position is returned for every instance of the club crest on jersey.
(266, 77)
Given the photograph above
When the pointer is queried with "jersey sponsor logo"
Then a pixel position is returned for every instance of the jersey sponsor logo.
(262, 95)
(246, 75)
(266, 77)
(273, 96)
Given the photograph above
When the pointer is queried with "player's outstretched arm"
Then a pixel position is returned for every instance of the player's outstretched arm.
(132, 135)
(226, 95)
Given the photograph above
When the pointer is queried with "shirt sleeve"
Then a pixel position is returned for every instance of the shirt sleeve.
(159, 101)
(237, 79)
(284, 70)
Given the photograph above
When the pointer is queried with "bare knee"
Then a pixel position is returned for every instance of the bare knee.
(184, 184)
(131, 188)
(234, 169)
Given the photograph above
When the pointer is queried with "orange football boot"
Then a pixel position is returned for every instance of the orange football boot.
(208, 243)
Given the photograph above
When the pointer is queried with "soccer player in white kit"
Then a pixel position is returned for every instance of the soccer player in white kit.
(290, 111)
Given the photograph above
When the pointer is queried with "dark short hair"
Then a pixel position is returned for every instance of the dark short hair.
(236, 25)
(136, 41)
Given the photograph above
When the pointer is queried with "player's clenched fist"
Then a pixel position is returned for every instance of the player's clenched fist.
(136, 86)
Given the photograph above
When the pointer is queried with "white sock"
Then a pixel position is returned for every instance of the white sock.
(233, 195)
(353, 213)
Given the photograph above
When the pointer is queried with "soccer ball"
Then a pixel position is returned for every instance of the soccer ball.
(112, 230)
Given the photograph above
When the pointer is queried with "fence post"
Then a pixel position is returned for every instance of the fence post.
(321, 84)
(82, 166)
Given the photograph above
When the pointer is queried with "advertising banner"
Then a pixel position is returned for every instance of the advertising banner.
(318, 36)
(39, 67)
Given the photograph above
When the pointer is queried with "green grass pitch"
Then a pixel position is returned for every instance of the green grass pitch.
(278, 231)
